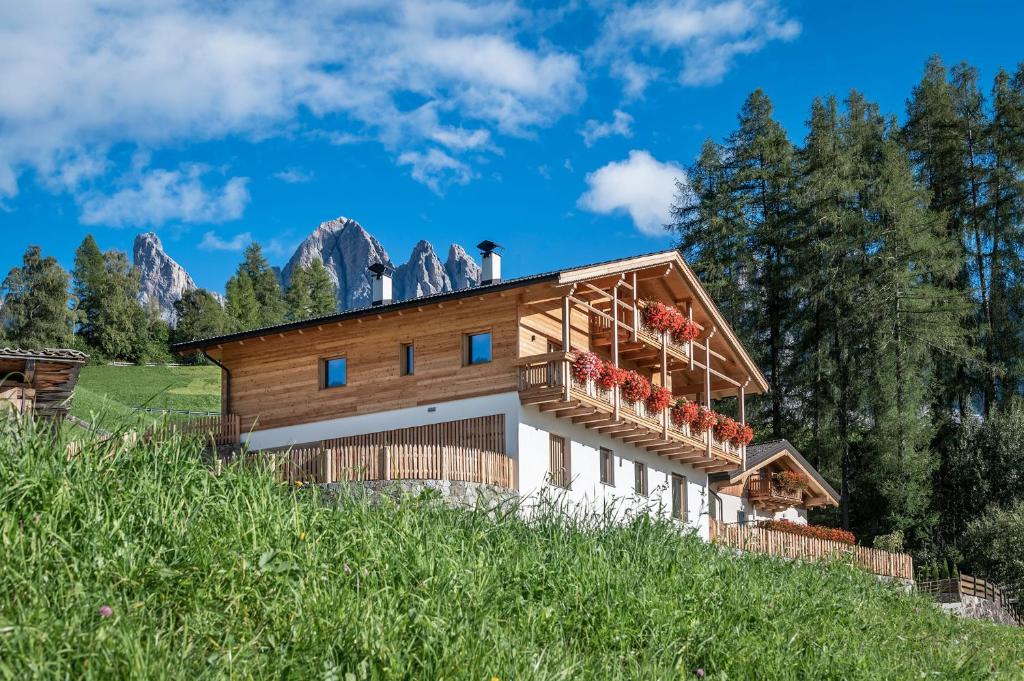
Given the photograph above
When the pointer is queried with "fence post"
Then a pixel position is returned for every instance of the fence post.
(385, 463)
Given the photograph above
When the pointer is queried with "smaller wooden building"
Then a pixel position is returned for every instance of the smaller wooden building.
(39, 382)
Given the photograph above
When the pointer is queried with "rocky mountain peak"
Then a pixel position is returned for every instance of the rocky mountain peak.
(422, 275)
(346, 250)
(462, 269)
(162, 280)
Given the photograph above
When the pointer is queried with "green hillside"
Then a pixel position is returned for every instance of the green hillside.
(113, 392)
(236, 576)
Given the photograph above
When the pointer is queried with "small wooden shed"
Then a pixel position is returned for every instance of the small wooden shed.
(39, 382)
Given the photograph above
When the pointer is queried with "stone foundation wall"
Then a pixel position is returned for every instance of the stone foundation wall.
(453, 492)
(972, 607)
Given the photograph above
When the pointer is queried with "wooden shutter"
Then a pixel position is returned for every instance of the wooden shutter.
(607, 466)
(559, 461)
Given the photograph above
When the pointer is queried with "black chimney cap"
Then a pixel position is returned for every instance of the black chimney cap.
(380, 268)
(488, 246)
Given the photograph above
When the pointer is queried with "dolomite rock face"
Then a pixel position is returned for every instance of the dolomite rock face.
(346, 250)
(462, 269)
(162, 280)
(422, 275)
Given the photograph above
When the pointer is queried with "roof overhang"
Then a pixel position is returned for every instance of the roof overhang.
(794, 459)
(674, 260)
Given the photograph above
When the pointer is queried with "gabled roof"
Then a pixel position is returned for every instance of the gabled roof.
(764, 453)
(564, 276)
(45, 354)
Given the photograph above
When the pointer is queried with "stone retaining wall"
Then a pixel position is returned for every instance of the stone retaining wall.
(974, 608)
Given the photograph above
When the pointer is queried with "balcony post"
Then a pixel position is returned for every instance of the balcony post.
(563, 370)
(743, 419)
(664, 381)
(689, 315)
(615, 341)
(636, 309)
(707, 383)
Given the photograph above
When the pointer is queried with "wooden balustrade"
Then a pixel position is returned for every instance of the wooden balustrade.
(770, 491)
(954, 589)
(795, 546)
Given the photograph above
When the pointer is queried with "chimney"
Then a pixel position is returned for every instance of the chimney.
(491, 271)
(381, 283)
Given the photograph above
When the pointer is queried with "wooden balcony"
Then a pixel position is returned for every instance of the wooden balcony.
(546, 380)
(769, 495)
(645, 349)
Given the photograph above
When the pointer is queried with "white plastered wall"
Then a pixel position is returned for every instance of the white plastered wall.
(731, 505)
(587, 490)
(440, 412)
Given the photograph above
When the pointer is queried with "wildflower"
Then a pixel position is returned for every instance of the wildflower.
(699, 672)
(346, 568)
(299, 483)
(302, 536)
(495, 678)
(366, 573)
(106, 611)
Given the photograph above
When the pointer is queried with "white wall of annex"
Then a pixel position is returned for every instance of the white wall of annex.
(535, 428)
(731, 505)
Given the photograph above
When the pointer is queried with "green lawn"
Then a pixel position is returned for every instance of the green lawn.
(144, 565)
(108, 393)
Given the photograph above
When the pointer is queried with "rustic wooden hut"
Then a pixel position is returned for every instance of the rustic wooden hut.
(39, 382)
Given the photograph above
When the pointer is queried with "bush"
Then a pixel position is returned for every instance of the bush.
(892, 542)
(995, 544)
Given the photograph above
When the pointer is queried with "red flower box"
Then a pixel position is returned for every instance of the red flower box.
(726, 428)
(684, 411)
(661, 317)
(635, 388)
(610, 376)
(659, 400)
(586, 366)
(814, 531)
(744, 436)
(705, 420)
(685, 331)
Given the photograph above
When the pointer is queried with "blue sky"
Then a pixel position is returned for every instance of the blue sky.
(554, 130)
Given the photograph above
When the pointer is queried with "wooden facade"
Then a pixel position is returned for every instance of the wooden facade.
(274, 377)
(40, 382)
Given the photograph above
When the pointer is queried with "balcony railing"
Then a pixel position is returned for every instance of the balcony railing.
(769, 491)
(545, 378)
(644, 332)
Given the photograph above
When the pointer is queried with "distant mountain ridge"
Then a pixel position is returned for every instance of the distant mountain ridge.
(346, 250)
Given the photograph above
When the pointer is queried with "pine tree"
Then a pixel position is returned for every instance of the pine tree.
(89, 269)
(241, 306)
(199, 316)
(109, 317)
(297, 298)
(322, 291)
(265, 286)
(35, 309)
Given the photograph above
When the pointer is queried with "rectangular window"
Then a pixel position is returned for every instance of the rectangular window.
(607, 466)
(333, 372)
(640, 478)
(679, 497)
(408, 359)
(741, 518)
(478, 346)
(558, 462)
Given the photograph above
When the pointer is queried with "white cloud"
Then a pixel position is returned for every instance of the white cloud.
(153, 197)
(93, 74)
(621, 124)
(212, 242)
(640, 186)
(436, 169)
(294, 176)
(706, 35)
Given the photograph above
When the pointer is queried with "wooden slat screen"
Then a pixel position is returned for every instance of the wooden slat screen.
(558, 461)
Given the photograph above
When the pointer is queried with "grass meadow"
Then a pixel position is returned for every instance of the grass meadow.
(140, 563)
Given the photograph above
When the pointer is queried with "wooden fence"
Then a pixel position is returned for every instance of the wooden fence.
(342, 463)
(224, 429)
(795, 546)
(954, 589)
(469, 450)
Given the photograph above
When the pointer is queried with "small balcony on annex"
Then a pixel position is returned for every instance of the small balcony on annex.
(637, 350)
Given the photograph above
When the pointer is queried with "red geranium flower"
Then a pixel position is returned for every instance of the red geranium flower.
(635, 388)
(659, 400)
(726, 428)
(704, 421)
(744, 436)
(610, 376)
(585, 366)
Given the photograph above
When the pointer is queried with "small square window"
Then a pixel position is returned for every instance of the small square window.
(640, 478)
(408, 359)
(334, 373)
(479, 347)
(679, 497)
(607, 466)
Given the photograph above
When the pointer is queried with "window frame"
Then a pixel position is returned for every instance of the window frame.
(407, 359)
(640, 476)
(566, 461)
(680, 504)
(324, 361)
(606, 463)
(467, 347)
